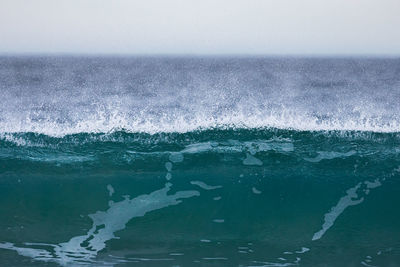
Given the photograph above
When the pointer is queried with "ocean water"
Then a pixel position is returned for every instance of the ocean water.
(161, 161)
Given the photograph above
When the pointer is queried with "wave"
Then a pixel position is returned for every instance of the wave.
(58, 96)
(245, 162)
(190, 139)
(251, 147)
(166, 123)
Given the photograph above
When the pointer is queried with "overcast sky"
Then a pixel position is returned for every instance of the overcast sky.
(200, 27)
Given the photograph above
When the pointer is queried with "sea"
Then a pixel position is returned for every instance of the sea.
(199, 161)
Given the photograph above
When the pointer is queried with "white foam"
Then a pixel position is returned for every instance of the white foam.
(168, 166)
(273, 264)
(251, 160)
(197, 148)
(374, 184)
(219, 220)
(235, 146)
(105, 224)
(115, 118)
(303, 250)
(36, 253)
(367, 264)
(19, 141)
(281, 145)
(150, 259)
(110, 190)
(256, 191)
(205, 102)
(276, 144)
(322, 155)
(352, 198)
(205, 186)
(343, 203)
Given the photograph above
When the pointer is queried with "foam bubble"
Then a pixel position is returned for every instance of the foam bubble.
(110, 190)
(303, 250)
(255, 190)
(251, 160)
(205, 186)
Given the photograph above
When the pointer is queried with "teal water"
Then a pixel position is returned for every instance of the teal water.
(261, 197)
(204, 161)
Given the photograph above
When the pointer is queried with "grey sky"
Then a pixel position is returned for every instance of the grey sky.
(200, 27)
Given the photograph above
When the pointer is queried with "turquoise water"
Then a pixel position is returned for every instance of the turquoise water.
(199, 161)
(211, 198)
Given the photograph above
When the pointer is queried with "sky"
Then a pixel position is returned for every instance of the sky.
(248, 27)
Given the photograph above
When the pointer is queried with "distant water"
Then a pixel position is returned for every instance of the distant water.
(199, 161)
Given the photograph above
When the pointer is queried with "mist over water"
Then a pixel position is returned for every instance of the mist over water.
(65, 95)
(199, 161)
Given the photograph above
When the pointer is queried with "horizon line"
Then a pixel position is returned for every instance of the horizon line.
(200, 55)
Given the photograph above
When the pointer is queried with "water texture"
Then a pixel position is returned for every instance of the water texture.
(131, 161)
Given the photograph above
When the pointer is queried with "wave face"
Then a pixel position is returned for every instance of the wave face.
(199, 161)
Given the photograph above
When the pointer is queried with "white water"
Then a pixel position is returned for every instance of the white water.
(168, 122)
